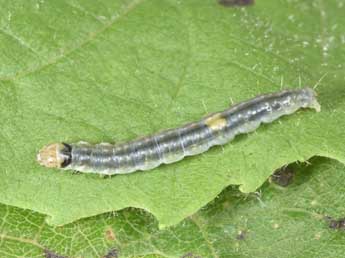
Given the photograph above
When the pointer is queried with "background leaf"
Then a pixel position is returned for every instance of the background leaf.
(280, 222)
(115, 70)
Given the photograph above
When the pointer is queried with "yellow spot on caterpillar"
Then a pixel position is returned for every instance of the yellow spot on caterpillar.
(216, 122)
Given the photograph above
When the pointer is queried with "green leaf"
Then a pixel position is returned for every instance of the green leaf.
(115, 70)
(280, 222)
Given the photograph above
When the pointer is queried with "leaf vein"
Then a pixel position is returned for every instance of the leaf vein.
(92, 36)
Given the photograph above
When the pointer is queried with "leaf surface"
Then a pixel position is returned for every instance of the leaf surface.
(116, 70)
(280, 222)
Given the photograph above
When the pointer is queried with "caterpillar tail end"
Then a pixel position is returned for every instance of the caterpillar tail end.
(56, 155)
(316, 105)
(312, 99)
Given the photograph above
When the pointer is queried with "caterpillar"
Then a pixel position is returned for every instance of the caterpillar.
(174, 144)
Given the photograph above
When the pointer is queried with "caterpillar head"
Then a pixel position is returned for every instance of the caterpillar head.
(56, 155)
